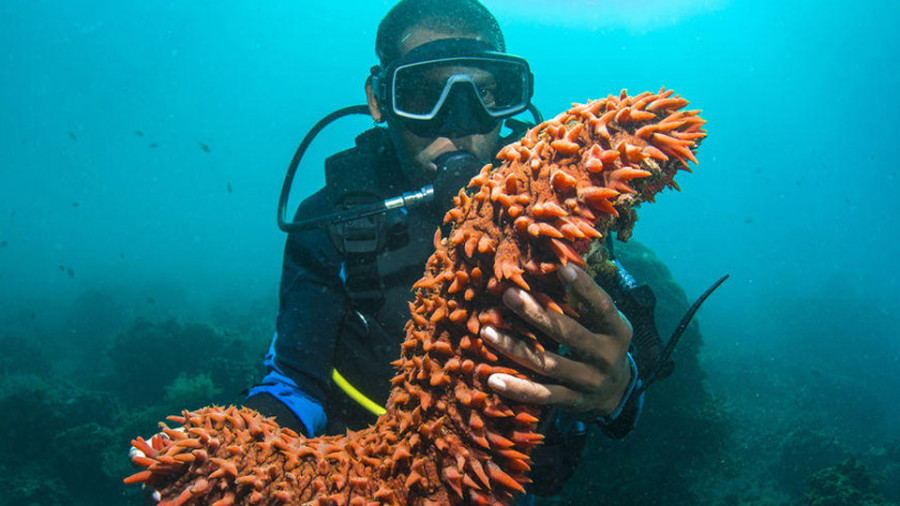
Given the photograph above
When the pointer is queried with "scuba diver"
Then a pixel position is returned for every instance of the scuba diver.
(440, 96)
(442, 93)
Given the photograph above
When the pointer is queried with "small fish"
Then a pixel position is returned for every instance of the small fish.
(3, 244)
(204, 147)
(74, 204)
(151, 300)
(228, 186)
(70, 272)
(62, 268)
(122, 256)
(138, 133)
(153, 145)
(72, 135)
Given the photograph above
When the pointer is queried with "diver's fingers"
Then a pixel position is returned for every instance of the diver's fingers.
(596, 307)
(580, 375)
(438, 147)
(134, 452)
(559, 327)
(155, 442)
(530, 392)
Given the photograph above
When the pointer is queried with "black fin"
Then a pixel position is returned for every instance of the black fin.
(665, 365)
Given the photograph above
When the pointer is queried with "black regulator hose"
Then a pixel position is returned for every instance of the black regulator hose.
(283, 223)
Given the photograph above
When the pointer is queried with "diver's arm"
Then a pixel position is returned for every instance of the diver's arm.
(301, 356)
(554, 461)
(310, 420)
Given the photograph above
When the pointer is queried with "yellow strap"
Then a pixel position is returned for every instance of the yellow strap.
(356, 395)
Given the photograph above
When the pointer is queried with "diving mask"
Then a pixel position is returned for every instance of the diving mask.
(461, 86)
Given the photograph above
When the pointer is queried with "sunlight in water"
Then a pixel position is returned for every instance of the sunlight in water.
(635, 15)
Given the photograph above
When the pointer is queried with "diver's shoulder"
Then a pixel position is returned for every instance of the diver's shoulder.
(315, 204)
(374, 142)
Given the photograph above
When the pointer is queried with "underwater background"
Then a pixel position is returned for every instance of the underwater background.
(144, 147)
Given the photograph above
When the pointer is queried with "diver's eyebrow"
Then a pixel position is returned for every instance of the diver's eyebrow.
(485, 79)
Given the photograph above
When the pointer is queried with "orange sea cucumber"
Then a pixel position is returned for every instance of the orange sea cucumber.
(446, 438)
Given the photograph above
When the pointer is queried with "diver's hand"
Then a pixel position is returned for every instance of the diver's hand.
(430, 153)
(151, 496)
(593, 380)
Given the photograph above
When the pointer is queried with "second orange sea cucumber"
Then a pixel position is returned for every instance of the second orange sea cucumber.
(446, 438)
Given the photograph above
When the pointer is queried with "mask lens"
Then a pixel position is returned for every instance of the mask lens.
(508, 90)
(420, 89)
(415, 91)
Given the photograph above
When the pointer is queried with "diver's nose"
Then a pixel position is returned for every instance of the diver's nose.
(464, 114)
(460, 117)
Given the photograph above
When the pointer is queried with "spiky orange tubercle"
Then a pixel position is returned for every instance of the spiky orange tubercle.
(446, 437)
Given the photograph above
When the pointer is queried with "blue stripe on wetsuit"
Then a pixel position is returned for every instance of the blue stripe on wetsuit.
(308, 410)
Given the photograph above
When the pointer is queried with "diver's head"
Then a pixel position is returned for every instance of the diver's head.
(444, 83)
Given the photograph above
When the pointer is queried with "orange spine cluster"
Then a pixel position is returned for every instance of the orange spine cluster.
(447, 438)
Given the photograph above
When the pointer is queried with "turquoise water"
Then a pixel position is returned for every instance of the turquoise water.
(145, 143)
(794, 188)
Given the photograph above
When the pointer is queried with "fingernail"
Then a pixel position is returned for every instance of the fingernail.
(567, 273)
(513, 298)
(496, 382)
(490, 334)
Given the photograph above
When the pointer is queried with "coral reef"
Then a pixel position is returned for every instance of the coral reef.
(803, 451)
(63, 445)
(446, 438)
(848, 483)
(189, 390)
(885, 464)
(151, 355)
(53, 451)
(22, 354)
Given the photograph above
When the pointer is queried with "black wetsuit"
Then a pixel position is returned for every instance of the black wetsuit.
(329, 320)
